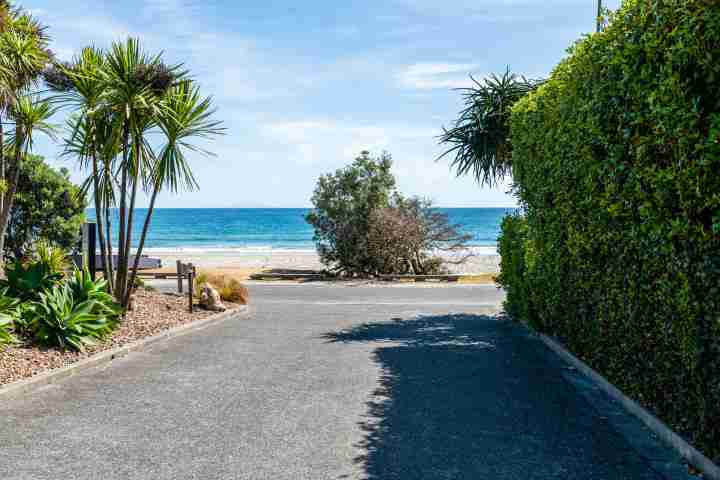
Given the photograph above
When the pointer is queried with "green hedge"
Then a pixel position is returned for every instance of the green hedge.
(616, 162)
(513, 252)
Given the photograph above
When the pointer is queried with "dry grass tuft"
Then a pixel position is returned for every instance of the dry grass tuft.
(229, 288)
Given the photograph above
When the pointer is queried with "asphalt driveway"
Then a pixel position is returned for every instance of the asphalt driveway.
(334, 382)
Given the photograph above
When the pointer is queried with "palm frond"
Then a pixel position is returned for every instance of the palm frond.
(187, 117)
(32, 115)
(479, 139)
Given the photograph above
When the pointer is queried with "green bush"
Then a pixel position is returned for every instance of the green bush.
(616, 162)
(47, 206)
(365, 227)
(26, 280)
(512, 247)
(342, 204)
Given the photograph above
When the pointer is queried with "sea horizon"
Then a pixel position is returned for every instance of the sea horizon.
(252, 230)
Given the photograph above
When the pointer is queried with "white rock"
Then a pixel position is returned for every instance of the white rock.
(210, 299)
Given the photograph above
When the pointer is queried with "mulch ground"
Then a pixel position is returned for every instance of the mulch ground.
(153, 313)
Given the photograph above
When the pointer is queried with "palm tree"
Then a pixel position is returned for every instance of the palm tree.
(123, 96)
(186, 116)
(23, 56)
(134, 85)
(479, 140)
(79, 86)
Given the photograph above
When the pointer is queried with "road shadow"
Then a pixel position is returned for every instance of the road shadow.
(474, 397)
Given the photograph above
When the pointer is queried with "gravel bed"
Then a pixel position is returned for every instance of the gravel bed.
(154, 312)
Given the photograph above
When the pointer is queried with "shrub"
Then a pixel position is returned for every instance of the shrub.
(66, 323)
(25, 279)
(616, 162)
(364, 226)
(342, 205)
(403, 238)
(47, 205)
(234, 291)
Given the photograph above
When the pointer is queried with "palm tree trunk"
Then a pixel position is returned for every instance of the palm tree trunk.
(108, 235)
(141, 245)
(131, 214)
(121, 272)
(12, 188)
(107, 194)
(98, 216)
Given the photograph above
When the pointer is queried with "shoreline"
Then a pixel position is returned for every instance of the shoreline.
(248, 260)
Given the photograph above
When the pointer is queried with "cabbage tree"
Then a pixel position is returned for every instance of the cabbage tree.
(24, 54)
(123, 99)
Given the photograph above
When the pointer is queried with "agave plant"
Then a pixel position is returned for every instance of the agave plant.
(8, 316)
(63, 322)
(85, 288)
(26, 280)
(6, 325)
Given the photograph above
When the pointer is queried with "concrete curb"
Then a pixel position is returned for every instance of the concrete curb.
(29, 385)
(665, 433)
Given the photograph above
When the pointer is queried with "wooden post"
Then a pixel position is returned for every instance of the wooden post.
(89, 247)
(191, 277)
(180, 273)
(92, 249)
(84, 246)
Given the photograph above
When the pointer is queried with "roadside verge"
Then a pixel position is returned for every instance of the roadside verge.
(31, 384)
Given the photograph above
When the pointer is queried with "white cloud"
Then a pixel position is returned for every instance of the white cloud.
(430, 76)
(326, 142)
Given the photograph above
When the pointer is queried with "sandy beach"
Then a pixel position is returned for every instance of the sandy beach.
(483, 260)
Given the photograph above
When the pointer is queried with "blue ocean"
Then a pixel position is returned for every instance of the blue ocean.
(272, 228)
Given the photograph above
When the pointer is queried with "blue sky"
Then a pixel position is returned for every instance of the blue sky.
(304, 86)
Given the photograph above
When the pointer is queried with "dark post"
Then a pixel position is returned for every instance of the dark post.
(190, 275)
(92, 248)
(180, 273)
(599, 15)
